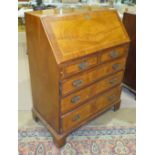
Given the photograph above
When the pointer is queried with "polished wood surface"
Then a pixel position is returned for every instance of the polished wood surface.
(76, 70)
(80, 65)
(114, 53)
(43, 68)
(78, 35)
(92, 107)
(129, 21)
(75, 99)
(92, 75)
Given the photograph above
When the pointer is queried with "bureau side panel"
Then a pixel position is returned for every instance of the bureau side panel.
(43, 72)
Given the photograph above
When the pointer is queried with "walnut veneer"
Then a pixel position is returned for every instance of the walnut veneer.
(77, 62)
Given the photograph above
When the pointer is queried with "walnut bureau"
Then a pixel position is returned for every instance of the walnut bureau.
(77, 62)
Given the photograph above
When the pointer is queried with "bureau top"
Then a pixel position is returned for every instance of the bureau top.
(74, 35)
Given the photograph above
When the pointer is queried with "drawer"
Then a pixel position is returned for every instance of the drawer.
(75, 99)
(113, 54)
(76, 82)
(75, 117)
(80, 65)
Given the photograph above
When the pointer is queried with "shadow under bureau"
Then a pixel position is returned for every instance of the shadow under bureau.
(77, 63)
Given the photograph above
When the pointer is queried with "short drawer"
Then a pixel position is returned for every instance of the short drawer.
(80, 65)
(76, 82)
(75, 117)
(75, 99)
(113, 54)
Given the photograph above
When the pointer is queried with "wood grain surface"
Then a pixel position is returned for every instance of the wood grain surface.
(44, 73)
(92, 75)
(82, 34)
(75, 99)
(77, 61)
(78, 115)
(77, 66)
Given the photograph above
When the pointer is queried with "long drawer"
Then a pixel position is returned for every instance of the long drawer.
(76, 82)
(78, 115)
(75, 99)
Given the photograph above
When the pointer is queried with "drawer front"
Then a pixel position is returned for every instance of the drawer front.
(71, 84)
(75, 117)
(113, 54)
(80, 65)
(77, 98)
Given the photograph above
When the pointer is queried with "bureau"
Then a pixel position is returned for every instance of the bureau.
(77, 61)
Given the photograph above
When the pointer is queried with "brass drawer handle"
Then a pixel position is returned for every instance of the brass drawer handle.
(76, 117)
(83, 65)
(77, 83)
(75, 99)
(114, 54)
(116, 66)
(111, 98)
(113, 81)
